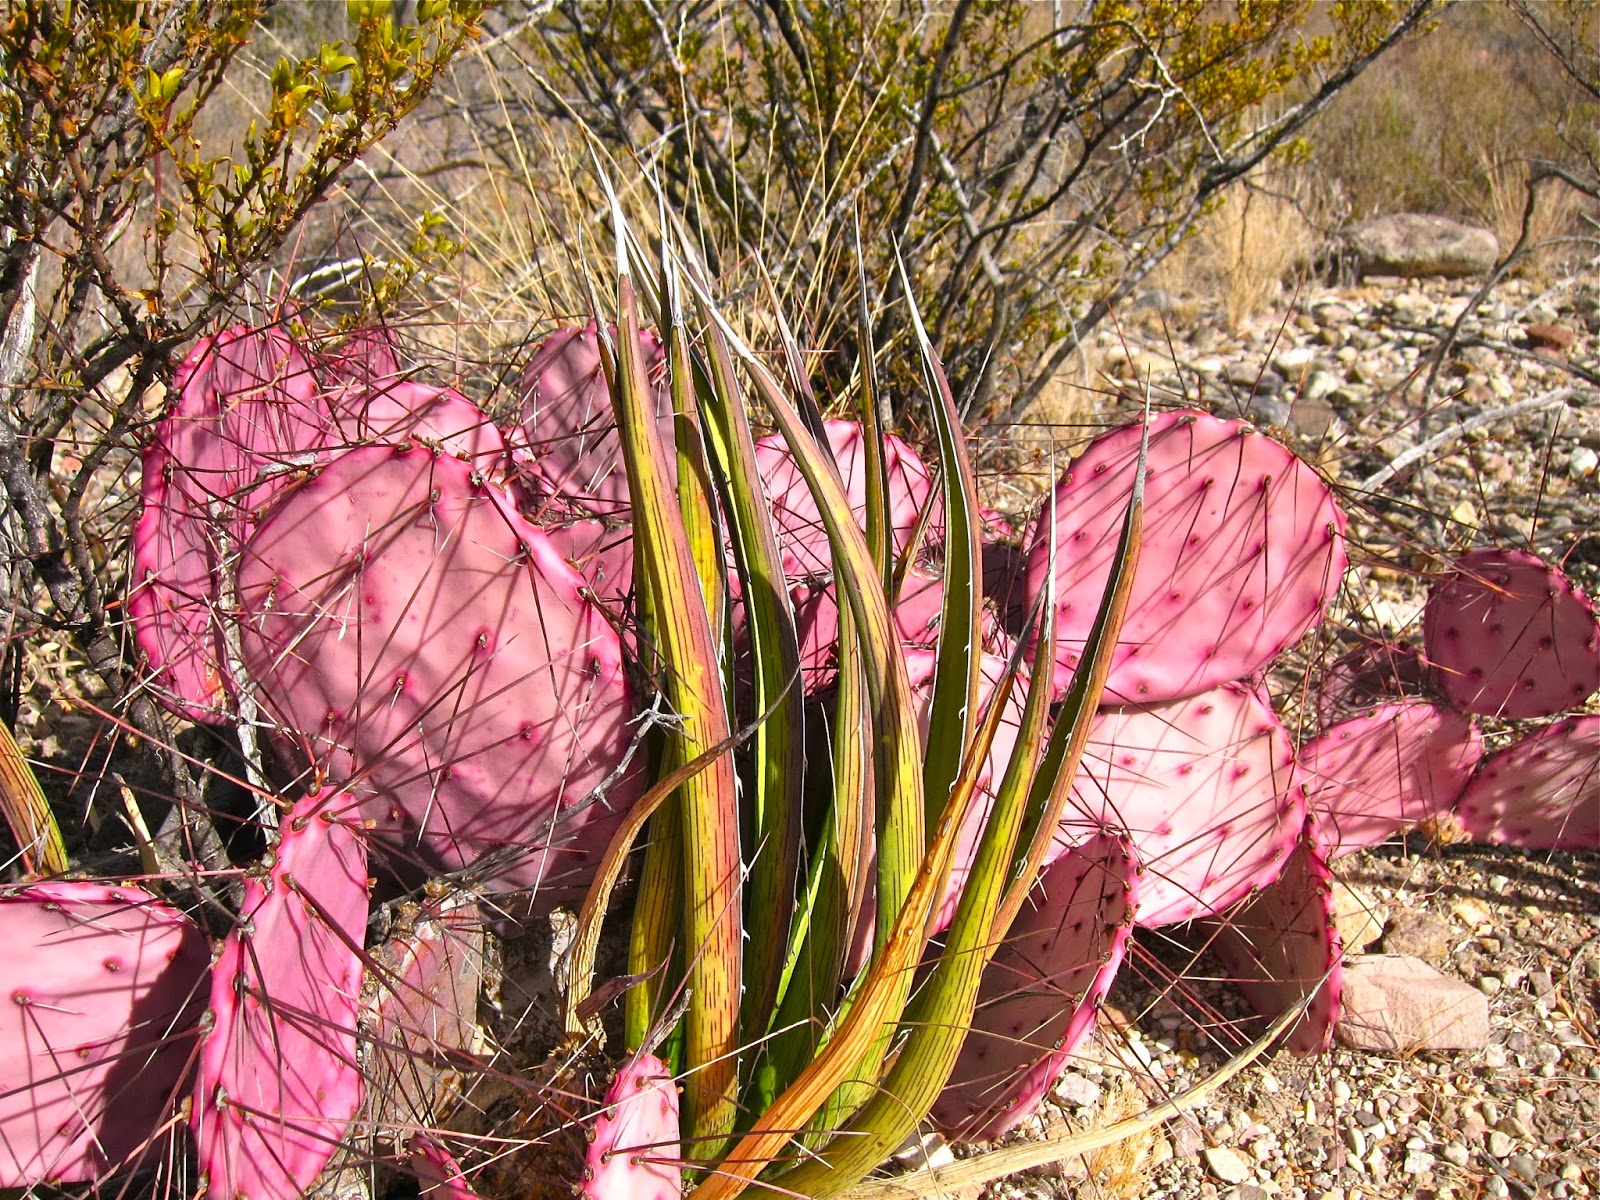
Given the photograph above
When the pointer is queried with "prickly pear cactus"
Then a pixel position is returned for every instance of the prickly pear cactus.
(570, 428)
(603, 555)
(1373, 776)
(418, 642)
(1541, 793)
(394, 411)
(1371, 674)
(436, 1169)
(802, 540)
(278, 1080)
(1204, 787)
(816, 618)
(104, 988)
(421, 1013)
(634, 1151)
(1280, 946)
(1040, 992)
(245, 419)
(1243, 545)
(1508, 635)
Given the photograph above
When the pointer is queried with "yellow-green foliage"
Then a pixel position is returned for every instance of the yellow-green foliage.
(104, 105)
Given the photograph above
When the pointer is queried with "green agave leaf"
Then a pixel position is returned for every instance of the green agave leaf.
(904, 887)
(690, 678)
(23, 804)
(938, 1018)
(776, 796)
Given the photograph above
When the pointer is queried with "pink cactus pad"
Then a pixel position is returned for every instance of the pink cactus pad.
(422, 1009)
(1204, 787)
(97, 1024)
(278, 1078)
(1373, 776)
(602, 554)
(1542, 793)
(437, 658)
(397, 410)
(1373, 673)
(1040, 993)
(1243, 545)
(802, 540)
(634, 1153)
(1280, 945)
(436, 1169)
(247, 418)
(1508, 635)
(816, 619)
(569, 424)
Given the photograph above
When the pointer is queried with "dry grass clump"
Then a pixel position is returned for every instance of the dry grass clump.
(1557, 217)
(1412, 132)
(1250, 247)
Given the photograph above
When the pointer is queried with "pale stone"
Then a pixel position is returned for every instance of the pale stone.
(1394, 1003)
(1226, 1165)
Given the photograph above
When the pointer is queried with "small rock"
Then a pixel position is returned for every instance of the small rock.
(1498, 1144)
(1415, 244)
(1249, 1191)
(1417, 1161)
(1524, 1166)
(1077, 1091)
(1186, 1138)
(1582, 463)
(1397, 1003)
(1455, 1154)
(1549, 337)
(1489, 984)
(1226, 1165)
(1423, 935)
(1358, 917)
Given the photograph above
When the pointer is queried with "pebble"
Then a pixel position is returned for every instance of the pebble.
(1077, 1091)
(1417, 1161)
(1226, 1165)
(1499, 1144)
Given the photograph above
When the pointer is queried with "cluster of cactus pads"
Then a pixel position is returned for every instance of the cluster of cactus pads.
(426, 616)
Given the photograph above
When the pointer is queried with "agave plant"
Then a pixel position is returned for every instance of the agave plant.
(889, 846)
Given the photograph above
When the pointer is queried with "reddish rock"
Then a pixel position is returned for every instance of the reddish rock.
(1549, 337)
(1394, 1003)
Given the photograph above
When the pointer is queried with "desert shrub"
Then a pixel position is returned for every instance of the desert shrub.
(1497, 101)
(157, 159)
(1029, 170)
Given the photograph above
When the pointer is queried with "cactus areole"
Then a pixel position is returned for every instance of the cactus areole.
(439, 660)
(1243, 545)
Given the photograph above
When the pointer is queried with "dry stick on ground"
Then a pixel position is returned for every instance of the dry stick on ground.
(1460, 428)
(1061, 1143)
